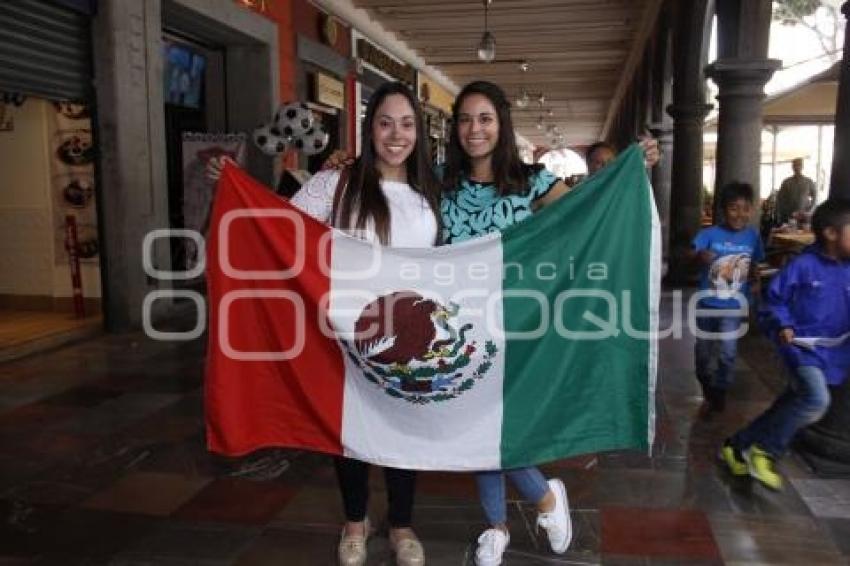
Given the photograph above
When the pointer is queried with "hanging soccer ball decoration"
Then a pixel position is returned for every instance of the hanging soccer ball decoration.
(293, 119)
(268, 140)
(314, 141)
(292, 126)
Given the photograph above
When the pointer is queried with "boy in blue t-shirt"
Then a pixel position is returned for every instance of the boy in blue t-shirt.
(728, 254)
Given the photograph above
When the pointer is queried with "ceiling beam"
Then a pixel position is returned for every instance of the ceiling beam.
(502, 4)
(647, 23)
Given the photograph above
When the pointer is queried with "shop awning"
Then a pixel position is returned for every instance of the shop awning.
(810, 102)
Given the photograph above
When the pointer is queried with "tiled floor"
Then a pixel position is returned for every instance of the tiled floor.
(102, 461)
(23, 332)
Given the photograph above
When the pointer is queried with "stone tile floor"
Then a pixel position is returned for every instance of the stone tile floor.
(102, 461)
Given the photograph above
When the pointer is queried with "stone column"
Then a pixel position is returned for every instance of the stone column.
(739, 126)
(840, 182)
(686, 186)
(826, 445)
(689, 109)
(741, 71)
(130, 127)
(133, 193)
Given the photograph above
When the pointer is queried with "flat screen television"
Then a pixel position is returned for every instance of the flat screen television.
(184, 71)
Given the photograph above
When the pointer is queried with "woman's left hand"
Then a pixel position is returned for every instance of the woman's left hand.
(215, 166)
(651, 153)
(339, 159)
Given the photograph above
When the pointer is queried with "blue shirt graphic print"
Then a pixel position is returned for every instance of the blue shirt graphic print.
(475, 209)
(735, 253)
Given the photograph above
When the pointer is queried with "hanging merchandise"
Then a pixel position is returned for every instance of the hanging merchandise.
(314, 141)
(72, 110)
(293, 120)
(292, 126)
(78, 192)
(72, 180)
(76, 148)
(15, 98)
(268, 139)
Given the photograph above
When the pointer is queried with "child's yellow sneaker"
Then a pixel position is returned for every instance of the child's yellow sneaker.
(733, 459)
(762, 466)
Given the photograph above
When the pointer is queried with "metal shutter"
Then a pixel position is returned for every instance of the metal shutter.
(44, 50)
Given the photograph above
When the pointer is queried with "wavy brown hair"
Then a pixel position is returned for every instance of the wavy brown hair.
(510, 174)
(363, 198)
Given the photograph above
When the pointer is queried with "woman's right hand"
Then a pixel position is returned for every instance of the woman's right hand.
(215, 166)
(651, 151)
(339, 159)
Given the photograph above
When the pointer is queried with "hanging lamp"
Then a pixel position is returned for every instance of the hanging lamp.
(487, 45)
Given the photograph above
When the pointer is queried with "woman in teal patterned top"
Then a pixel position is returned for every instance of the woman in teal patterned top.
(477, 207)
(487, 188)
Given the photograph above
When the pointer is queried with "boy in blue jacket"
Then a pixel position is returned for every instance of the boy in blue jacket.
(807, 311)
(728, 254)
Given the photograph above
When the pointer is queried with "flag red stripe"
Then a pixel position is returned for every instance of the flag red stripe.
(255, 404)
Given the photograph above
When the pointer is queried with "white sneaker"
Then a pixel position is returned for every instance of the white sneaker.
(408, 552)
(558, 525)
(352, 548)
(491, 546)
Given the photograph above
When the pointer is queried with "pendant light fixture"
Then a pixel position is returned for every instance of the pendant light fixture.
(523, 99)
(487, 45)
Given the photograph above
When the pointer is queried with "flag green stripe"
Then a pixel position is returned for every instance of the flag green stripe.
(591, 395)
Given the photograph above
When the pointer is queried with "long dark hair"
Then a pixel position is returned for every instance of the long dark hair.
(363, 198)
(510, 174)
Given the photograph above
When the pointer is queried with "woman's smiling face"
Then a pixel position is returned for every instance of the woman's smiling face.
(394, 131)
(478, 126)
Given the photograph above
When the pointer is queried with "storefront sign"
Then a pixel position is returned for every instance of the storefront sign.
(330, 30)
(431, 93)
(329, 91)
(376, 57)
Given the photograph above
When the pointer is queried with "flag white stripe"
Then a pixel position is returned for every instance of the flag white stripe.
(463, 433)
(655, 265)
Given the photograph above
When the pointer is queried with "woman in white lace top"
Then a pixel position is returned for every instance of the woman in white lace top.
(389, 196)
(392, 197)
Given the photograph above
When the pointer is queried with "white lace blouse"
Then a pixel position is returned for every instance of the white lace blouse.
(412, 222)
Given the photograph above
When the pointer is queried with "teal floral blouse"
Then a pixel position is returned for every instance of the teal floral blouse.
(476, 208)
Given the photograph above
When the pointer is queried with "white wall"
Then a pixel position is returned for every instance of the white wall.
(26, 246)
(27, 227)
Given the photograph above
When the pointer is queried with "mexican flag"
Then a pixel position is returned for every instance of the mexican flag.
(512, 349)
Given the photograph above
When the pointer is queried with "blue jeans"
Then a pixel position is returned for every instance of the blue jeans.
(719, 351)
(491, 490)
(804, 402)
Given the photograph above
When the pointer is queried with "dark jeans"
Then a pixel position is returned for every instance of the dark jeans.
(804, 402)
(353, 477)
(715, 356)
